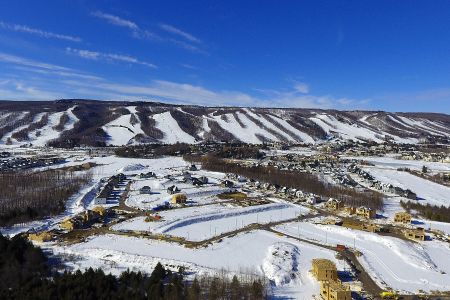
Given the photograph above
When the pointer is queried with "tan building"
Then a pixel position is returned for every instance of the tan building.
(351, 210)
(417, 234)
(402, 217)
(40, 237)
(68, 224)
(178, 199)
(332, 290)
(324, 270)
(334, 204)
(366, 212)
(370, 227)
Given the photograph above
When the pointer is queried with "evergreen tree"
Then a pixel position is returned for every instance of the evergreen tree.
(194, 290)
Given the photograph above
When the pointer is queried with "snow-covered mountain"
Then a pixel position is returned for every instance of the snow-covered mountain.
(88, 122)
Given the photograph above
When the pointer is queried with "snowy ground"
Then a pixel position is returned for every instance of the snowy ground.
(395, 263)
(199, 223)
(390, 162)
(256, 252)
(159, 195)
(427, 191)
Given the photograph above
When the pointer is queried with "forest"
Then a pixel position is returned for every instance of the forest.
(306, 182)
(25, 274)
(430, 212)
(28, 195)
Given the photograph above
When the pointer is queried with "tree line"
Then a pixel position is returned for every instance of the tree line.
(25, 274)
(430, 212)
(28, 195)
(305, 182)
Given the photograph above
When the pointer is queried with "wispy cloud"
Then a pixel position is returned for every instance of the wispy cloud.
(95, 55)
(17, 60)
(68, 83)
(38, 32)
(179, 32)
(115, 20)
(142, 33)
(29, 65)
(20, 90)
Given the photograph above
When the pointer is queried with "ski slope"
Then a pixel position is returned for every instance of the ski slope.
(171, 130)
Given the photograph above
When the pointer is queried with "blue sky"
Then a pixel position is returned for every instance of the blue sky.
(377, 55)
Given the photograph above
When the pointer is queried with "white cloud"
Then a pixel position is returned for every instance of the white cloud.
(38, 32)
(301, 87)
(94, 55)
(61, 82)
(179, 32)
(28, 62)
(115, 20)
(140, 33)
(20, 90)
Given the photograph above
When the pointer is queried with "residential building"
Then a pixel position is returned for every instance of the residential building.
(324, 269)
(178, 199)
(402, 217)
(333, 290)
(366, 212)
(417, 234)
(334, 204)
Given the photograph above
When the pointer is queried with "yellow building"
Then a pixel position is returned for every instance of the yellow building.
(179, 199)
(366, 212)
(334, 204)
(68, 224)
(351, 210)
(361, 226)
(402, 217)
(331, 290)
(99, 210)
(40, 237)
(417, 234)
(324, 270)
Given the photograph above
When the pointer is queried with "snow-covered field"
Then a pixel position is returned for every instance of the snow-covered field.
(256, 252)
(427, 191)
(390, 162)
(203, 222)
(395, 263)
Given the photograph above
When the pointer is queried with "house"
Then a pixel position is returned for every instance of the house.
(299, 194)
(203, 179)
(241, 178)
(145, 190)
(351, 210)
(402, 217)
(417, 234)
(178, 199)
(324, 270)
(227, 183)
(68, 224)
(333, 290)
(172, 190)
(334, 204)
(366, 212)
(147, 175)
(186, 176)
(40, 237)
(195, 181)
(410, 195)
(101, 197)
(100, 210)
(311, 199)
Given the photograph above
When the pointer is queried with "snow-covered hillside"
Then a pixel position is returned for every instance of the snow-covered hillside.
(86, 122)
